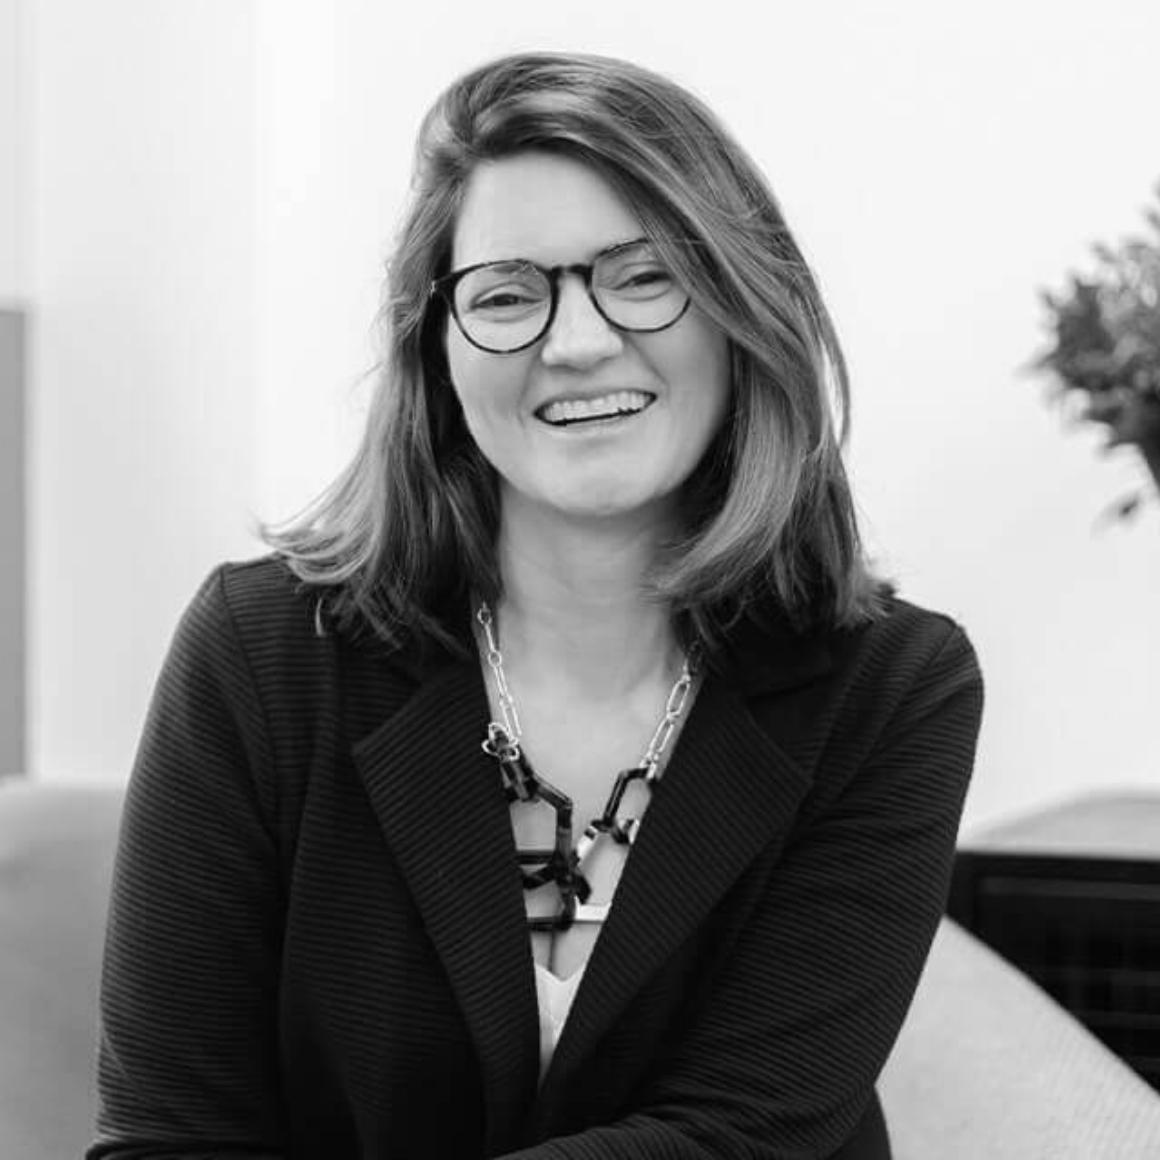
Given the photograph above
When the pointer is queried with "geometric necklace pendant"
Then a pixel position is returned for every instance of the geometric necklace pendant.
(562, 866)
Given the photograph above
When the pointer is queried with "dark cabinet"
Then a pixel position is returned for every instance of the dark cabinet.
(1071, 896)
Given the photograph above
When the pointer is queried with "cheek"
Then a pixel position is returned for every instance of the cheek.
(488, 389)
(469, 375)
(459, 365)
(707, 375)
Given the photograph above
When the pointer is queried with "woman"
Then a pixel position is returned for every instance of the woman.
(586, 616)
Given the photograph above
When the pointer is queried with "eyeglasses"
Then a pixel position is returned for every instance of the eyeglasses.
(503, 307)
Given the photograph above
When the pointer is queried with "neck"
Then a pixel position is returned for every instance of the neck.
(573, 609)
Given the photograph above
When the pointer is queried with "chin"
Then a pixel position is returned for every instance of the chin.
(609, 503)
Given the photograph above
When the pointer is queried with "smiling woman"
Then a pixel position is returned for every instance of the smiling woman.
(563, 783)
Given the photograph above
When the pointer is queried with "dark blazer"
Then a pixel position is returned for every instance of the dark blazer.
(317, 945)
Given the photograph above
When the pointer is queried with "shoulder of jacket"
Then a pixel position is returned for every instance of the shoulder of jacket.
(261, 589)
(908, 629)
(268, 609)
(910, 656)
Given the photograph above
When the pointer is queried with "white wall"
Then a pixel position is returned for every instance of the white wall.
(14, 118)
(142, 445)
(938, 168)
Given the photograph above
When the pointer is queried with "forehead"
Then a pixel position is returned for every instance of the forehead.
(541, 206)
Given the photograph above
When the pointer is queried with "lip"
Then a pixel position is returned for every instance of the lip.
(585, 396)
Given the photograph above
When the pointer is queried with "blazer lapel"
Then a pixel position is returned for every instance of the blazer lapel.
(728, 792)
(440, 802)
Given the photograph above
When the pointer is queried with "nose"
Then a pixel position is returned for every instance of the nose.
(579, 335)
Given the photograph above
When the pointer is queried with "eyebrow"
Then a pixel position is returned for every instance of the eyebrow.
(595, 257)
(619, 246)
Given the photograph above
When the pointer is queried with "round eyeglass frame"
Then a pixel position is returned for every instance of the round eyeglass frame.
(444, 288)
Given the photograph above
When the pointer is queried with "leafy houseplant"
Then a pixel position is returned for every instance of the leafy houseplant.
(1106, 333)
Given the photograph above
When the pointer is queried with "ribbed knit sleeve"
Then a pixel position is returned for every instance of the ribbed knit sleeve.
(188, 1038)
(780, 1060)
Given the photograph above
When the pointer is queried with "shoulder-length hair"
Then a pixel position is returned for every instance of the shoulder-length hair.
(409, 527)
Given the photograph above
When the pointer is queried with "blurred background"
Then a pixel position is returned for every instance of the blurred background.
(196, 201)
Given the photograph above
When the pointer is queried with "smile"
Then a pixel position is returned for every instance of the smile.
(566, 412)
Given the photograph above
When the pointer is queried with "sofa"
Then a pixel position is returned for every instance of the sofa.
(987, 1067)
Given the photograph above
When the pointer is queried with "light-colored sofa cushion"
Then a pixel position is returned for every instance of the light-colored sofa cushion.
(988, 1066)
(56, 857)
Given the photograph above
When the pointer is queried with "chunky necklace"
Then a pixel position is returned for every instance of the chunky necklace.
(563, 864)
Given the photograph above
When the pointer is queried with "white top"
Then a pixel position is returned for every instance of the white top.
(534, 826)
(555, 997)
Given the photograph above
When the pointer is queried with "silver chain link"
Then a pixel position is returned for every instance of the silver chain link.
(674, 707)
(510, 746)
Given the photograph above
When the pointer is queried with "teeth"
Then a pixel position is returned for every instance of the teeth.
(572, 410)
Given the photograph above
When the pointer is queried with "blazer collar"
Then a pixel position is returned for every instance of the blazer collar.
(764, 652)
(729, 788)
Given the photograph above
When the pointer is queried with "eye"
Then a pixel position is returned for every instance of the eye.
(646, 278)
(502, 299)
(640, 281)
(501, 291)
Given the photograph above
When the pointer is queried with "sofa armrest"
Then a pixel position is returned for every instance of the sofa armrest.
(988, 1065)
(57, 845)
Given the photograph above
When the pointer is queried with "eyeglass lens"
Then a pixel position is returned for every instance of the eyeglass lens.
(506, 305)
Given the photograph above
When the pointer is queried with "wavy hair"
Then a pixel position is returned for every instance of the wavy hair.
(409, 527)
